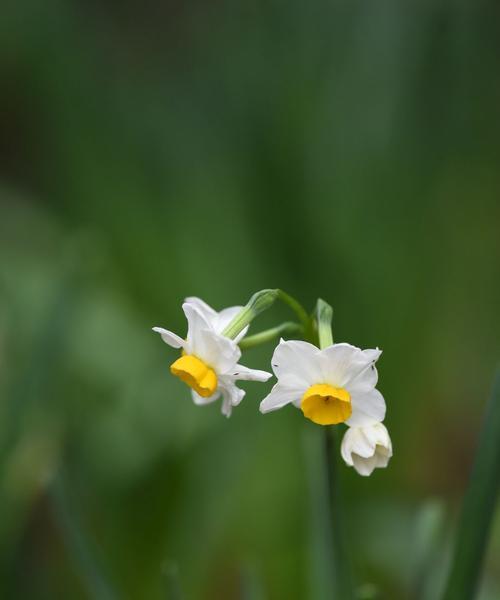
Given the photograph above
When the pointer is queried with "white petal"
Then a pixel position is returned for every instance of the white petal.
(367, 409)
(364, 382)
(232, 396)
(218, 321)
(226, 406)
(378, 435)
(342, 363)
(379, 459)
(207, 311)
(354, 441)
(345, 446)
(383, 457)
(278, 397)
(364, 466)
(200, 401)
(197, 322)
(296, 364)
(170, 338)
(367, 448)
(336, 361)
(225, 316)
(221, 353)
(218, 351)
(246, 374)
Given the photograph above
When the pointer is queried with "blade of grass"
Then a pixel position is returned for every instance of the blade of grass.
(478, 506)
(77, 542)
(31, 388)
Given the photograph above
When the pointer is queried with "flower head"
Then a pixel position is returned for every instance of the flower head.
(333, 385)
(366, 448)
(209, 360)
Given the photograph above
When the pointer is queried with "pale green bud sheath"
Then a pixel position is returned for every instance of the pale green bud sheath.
(324, 314)
(259, 302)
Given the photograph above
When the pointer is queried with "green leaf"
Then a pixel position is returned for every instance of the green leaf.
(478, 507)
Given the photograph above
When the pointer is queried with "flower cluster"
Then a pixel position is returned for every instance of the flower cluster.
(332, 385)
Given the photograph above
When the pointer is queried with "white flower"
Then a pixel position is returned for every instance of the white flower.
(333, 385)
(366, 448)
(209, 361)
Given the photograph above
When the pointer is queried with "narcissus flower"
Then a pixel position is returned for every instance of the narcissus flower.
(331, 386)
(366, 448)
(209, 360)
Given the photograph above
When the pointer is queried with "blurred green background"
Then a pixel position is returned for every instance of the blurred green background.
(158, 150)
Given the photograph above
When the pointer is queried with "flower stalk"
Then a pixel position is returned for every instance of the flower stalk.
(269, 335)
(296, 307)
(341, 577)
(343, 587)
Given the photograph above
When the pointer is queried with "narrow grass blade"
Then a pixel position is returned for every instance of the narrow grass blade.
(478, 507)
(78, 544)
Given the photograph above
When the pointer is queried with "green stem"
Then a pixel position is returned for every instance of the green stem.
(269, 335)
(321, 576)
(478, 507)
(340, 559)
(296, 306)
(341, 564)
